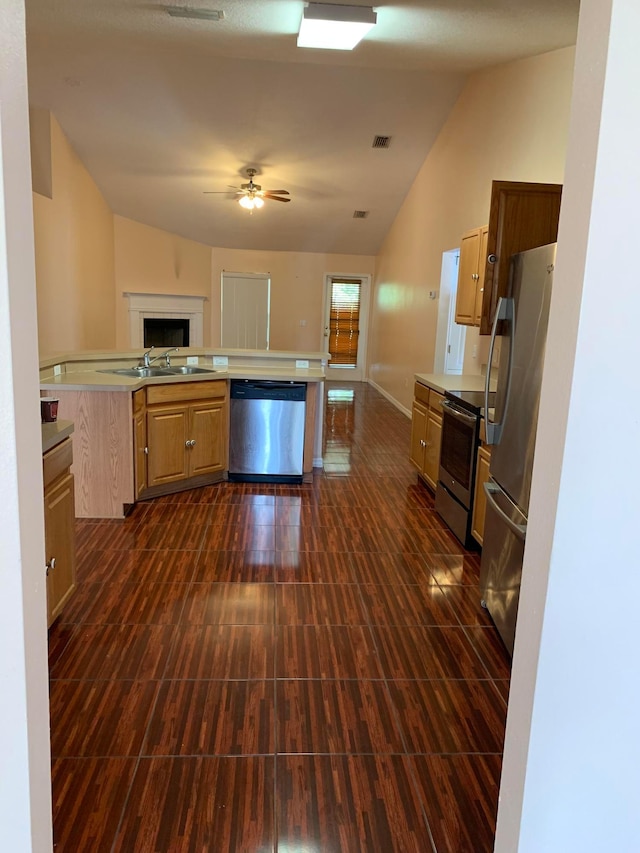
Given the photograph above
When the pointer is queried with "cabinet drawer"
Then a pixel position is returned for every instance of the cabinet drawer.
(178, 392)
(57, 460)
(435, 400)
(421, 392)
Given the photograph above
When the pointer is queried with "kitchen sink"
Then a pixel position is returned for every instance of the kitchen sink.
(188, 370)
(141, 372)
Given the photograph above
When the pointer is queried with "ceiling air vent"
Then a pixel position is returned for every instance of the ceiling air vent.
(195, 14)
(360, 214)
(381, 141)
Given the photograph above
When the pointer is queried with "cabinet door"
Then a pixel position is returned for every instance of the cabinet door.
(482, 265)
(59, 524)
(206, 430)
(432, 450)
(467, 277)
(167, 438)
(522, 216)
(480, 497)
(140, 452)
(418, 434)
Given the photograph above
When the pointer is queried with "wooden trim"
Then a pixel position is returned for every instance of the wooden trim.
(310, 427)
(183, 485)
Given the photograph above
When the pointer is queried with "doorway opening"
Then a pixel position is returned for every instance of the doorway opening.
(450, 336)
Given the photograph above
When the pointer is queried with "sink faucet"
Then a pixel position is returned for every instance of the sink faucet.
(165, 355)
(145, 360)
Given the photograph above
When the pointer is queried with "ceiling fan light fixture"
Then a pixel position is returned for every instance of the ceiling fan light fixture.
(258, 202)
(333, 27)
(247, 202)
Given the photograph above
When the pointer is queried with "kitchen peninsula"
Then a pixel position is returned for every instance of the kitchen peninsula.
(114, 415)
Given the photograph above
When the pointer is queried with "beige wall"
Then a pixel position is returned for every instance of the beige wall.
(297, 285)
(510, 123)
(74, 257)
(148, 260)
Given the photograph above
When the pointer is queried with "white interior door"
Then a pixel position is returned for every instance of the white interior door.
(245, 311)
(346, 315)
(456, 335)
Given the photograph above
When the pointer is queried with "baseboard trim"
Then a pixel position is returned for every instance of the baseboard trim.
(392, 400)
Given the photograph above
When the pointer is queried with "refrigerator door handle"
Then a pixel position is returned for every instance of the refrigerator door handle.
(504, 311)
(519, 530)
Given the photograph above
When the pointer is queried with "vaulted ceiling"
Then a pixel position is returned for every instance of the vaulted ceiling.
(162, 108)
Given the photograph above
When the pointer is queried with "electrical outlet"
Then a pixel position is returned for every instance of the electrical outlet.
(192, 359)
(303, 322)
(220, 361)
(57, 370)
(302, 364)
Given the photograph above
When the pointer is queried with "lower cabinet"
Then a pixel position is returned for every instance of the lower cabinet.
(426, 433)
(59, 527)
(184, 430)
(480, 497)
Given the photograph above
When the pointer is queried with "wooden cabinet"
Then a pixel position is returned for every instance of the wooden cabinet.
(521, 216)
(59, 527)
(186, 433)
(139, 442)
(473, 254)
(426, 431)
(480, 497)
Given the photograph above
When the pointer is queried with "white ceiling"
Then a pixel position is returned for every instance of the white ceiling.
(160, 108)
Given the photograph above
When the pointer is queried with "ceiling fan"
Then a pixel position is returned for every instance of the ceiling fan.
(252, 195)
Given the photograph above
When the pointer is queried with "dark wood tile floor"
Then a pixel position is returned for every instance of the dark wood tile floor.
(281, 668)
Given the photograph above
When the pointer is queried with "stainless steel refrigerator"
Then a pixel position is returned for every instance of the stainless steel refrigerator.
(521, 320)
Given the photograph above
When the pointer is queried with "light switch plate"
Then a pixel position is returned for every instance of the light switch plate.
(302, 364)
(192, 359)
(220, 361)
(57, 369)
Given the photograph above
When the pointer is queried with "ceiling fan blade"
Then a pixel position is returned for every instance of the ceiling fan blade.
(219, 192)
(274, 197)
(277, 192)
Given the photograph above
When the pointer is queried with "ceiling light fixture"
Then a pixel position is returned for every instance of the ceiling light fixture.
(333, 27)
(249, 202)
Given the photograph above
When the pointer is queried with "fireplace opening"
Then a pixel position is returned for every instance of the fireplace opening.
(160, 332)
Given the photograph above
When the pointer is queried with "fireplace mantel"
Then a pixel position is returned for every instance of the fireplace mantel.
(165, 306)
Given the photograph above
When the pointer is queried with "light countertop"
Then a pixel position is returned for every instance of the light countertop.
(93, 380)
(54, 433)
(442, 382)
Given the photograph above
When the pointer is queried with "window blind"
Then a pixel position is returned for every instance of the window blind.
(344, 322)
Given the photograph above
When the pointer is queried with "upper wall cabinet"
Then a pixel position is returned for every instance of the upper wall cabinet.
(522, 216)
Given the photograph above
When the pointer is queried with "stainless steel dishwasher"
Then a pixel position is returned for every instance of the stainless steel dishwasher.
(266, 431)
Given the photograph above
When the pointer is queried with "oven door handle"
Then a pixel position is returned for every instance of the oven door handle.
(519, 530)
(471, 420)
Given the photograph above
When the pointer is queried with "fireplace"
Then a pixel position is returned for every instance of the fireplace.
(169, 332)
(158, 319)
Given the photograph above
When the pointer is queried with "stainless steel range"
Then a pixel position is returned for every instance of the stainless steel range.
(461, 414)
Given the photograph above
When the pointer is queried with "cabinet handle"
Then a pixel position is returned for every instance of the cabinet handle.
(193, 442)
(190, 443)
(51, 565)
(146, 450)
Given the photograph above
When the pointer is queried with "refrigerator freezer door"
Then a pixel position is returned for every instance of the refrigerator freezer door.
(501, 567)
(523, 344)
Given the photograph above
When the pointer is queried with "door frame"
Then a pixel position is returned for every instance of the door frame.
(345, 374)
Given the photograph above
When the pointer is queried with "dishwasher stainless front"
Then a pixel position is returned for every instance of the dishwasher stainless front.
(266, 431)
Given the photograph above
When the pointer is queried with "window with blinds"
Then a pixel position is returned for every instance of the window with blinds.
(344, 322)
